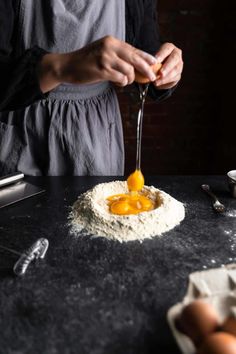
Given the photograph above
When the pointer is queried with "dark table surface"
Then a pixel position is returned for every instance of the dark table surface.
(95, 296)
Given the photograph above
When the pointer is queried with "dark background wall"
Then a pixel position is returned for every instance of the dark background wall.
(194, 132)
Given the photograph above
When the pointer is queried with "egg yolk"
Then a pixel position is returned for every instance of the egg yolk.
(132, 203)
(126, 204)
(135, 181)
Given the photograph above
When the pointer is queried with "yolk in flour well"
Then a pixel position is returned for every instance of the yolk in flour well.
(133, 202)
(127, 204)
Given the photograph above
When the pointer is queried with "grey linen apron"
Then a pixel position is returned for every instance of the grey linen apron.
(77, 130)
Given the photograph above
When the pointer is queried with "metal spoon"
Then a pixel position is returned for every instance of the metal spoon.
(217, 205)
(143, 90)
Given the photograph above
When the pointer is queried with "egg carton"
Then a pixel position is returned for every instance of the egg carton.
(215, 286)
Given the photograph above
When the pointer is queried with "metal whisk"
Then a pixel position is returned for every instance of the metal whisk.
(37, 250)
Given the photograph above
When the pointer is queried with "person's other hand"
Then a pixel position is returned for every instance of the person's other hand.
(171, 58)
(107, 59)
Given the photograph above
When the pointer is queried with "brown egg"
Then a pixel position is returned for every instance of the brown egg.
(218, 343)
(197, 320)
(141, 79)
(229, 325)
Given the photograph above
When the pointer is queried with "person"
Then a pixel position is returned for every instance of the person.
(59, 63)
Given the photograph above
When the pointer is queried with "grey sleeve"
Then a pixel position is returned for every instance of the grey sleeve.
(19, 84)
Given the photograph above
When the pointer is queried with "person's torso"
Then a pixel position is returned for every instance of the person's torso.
(66, 25)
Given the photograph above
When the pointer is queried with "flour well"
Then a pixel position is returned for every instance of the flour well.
(90, 214)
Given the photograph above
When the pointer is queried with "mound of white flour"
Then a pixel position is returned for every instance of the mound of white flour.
(90, 214)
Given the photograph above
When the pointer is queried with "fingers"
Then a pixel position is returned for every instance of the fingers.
(116, 77)
(167, 86)
(122, 81)
(124, 68)
(172, 66)
(140, 60)
(165, 50)
(150, 59)
(143, 67)
(168, 82)
(172, 62)
(128, 53)
(173, 75)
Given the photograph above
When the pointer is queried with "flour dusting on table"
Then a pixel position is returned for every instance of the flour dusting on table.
(90, 214)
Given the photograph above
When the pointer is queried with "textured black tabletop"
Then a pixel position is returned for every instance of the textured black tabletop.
(94, 296)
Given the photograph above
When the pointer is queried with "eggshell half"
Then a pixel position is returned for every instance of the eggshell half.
(141, 79)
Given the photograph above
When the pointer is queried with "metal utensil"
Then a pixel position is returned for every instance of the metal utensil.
(37, 250)
(10, 179)
(143, 90)
(232, 182)
(217, 205)
(15, 192)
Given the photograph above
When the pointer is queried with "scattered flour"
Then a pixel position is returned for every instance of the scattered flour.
(231, 213)
(90, 214)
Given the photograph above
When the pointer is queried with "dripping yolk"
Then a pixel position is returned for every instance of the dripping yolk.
(133, 202)
(135, 181)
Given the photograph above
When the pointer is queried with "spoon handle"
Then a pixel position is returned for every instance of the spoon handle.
(207, 189)
(143, 93)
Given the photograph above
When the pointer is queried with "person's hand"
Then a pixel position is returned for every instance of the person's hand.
(107, 59)
(171, 58)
